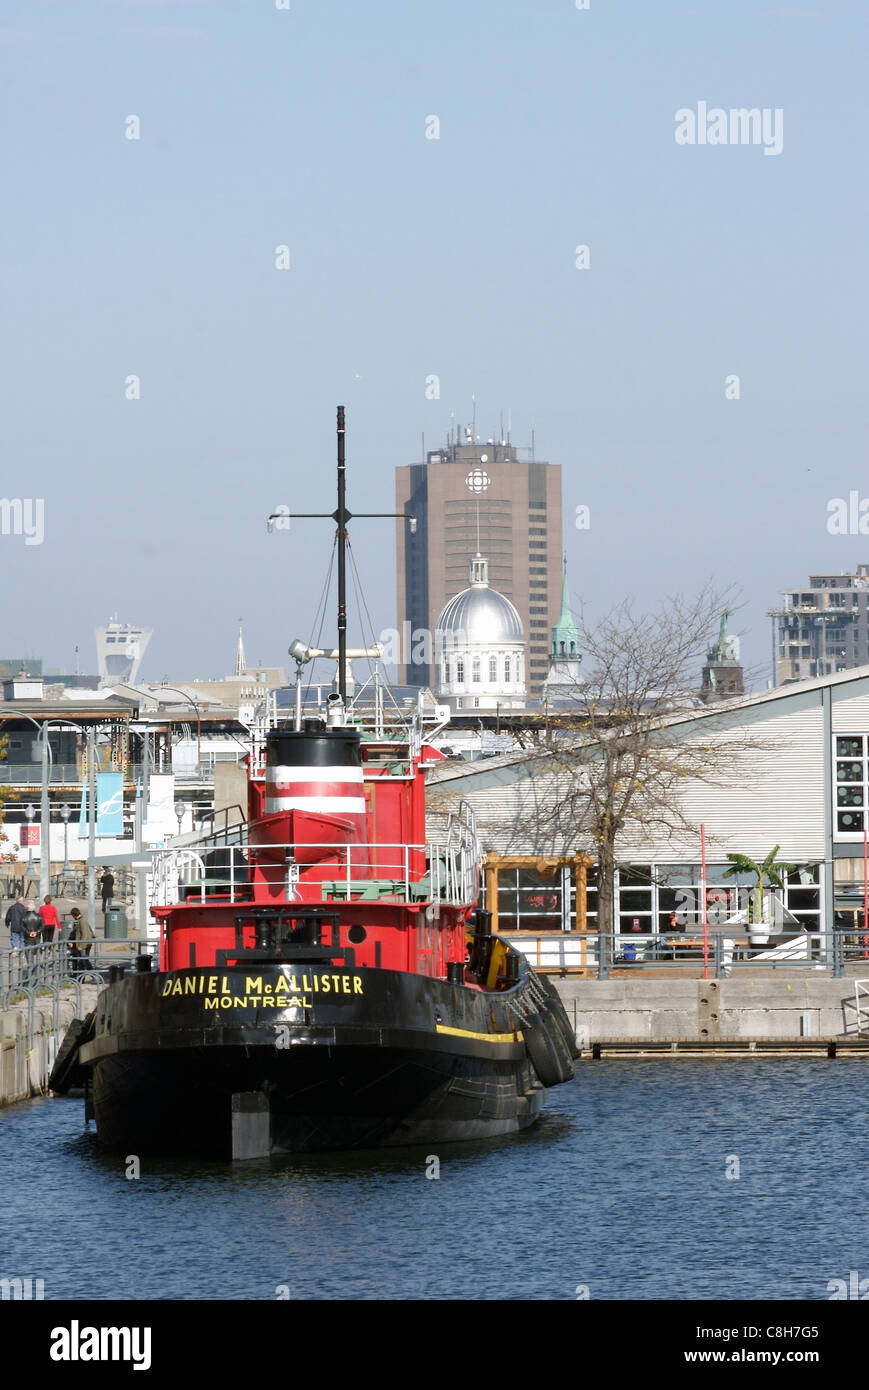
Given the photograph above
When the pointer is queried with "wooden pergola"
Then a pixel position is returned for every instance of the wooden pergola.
(546, 865)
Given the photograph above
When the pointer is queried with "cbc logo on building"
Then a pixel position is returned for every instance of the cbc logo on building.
(477, 480)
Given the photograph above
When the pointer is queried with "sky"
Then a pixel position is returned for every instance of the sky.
(307, 127)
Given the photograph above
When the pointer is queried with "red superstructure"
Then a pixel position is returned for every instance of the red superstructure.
(338, 824)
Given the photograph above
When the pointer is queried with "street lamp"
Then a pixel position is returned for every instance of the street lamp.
(180, 809)
(65, 814)
(196, 709)
(30, 812)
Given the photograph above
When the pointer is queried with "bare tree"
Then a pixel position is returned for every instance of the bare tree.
(608, 759)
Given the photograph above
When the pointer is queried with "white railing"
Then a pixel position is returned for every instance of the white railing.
(170, 870)
(445, 872)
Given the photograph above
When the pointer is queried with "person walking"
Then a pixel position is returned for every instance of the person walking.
(80, 940)
(50, 920)
(107, 888)
(31, 925)
(14, 921)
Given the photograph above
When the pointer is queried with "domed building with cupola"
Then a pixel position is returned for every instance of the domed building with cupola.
(480, 648)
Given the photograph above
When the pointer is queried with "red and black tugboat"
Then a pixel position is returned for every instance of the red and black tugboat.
(327, 980)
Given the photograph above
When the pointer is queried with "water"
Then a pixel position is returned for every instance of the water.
(621, 1188)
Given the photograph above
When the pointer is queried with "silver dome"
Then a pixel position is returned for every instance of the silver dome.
(479, 614)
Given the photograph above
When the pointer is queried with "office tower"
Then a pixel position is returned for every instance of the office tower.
(478, 497)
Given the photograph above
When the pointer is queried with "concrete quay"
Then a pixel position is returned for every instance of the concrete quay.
(31, 1035)
(748, 1012)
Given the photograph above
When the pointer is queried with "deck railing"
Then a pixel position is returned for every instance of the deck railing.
(837, 953)
(444, 872)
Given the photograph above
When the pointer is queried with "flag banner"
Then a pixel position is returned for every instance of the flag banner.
(110, 803)
(160, 810)
(83, 813)
(29, 834)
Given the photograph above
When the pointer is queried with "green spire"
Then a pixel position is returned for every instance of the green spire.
(565, 634)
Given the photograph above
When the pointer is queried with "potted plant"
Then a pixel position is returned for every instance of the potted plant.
(772, 870)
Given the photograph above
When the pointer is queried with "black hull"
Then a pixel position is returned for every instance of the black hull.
(348, 1098)
(243, 1062)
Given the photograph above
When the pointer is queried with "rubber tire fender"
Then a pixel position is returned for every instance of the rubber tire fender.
(548, 1054)
(559, 1016)
(67, 1071)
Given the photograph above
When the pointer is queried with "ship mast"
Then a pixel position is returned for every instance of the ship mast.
(340, 516)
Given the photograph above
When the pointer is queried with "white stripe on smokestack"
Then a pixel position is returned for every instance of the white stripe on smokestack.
(311, 789)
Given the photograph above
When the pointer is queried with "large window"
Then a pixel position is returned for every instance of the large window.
(527, 901)
(493, 669)
(669, 897)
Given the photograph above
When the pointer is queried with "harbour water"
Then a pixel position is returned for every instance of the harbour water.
(659, 1179)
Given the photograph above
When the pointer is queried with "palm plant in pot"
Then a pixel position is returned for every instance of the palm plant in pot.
(770, 872)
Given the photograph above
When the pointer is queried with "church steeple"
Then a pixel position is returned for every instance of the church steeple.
(564, 656)
(565, 634)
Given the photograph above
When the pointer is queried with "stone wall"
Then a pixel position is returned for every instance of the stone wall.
(741, 1009)
(29, 1043)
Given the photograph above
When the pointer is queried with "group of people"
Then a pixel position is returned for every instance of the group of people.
(29, 928)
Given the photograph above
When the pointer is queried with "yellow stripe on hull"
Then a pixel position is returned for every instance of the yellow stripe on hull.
(481, 1037)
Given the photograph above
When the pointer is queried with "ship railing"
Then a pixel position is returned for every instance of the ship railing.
(464, 852)
(446, 872)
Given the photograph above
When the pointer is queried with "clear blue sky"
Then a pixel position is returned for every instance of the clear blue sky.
(409, 257)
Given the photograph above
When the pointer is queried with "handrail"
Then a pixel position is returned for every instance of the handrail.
(449, 869)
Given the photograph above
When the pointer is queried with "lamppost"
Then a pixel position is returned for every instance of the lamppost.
(195, 707)
(64, 816)
(30, 812)
(180, 809)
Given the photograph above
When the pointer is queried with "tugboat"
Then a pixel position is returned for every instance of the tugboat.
(325, 977)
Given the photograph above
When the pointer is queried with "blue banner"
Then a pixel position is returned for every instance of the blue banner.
(110, 803)
(83, 813)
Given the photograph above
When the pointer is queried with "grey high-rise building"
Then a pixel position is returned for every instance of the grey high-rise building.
(822, 628)
(479, 497)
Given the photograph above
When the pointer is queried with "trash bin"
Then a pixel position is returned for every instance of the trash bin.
(115, 924)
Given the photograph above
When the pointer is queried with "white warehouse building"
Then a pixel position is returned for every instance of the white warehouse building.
(800, 781)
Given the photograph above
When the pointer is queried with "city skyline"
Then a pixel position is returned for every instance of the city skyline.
(410, 210)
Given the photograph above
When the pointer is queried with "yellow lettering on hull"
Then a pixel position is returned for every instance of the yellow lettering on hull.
(222, 991)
